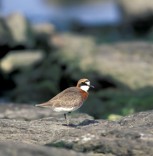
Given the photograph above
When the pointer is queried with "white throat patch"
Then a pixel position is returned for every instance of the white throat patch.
(85, 88)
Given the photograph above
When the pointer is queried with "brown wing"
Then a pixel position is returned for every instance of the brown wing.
(70, 97)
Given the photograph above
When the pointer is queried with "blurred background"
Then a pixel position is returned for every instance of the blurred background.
(48, 45)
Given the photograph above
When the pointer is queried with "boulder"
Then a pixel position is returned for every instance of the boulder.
(20, 59)
(6, 38)
(131, 135)
(137, 8)
(37, 83)
(20, 30)
(9, 148)
(137, 16)
(43, 35)
(126, 62)
(44, 29)
(22, 112)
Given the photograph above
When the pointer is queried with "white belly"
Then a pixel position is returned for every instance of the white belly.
(64, 109)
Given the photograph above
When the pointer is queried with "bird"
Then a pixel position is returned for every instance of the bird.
(69, 99)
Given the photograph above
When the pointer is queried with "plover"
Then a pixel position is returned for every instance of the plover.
(69, 99)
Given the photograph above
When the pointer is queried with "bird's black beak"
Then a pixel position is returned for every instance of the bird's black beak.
(92, 86)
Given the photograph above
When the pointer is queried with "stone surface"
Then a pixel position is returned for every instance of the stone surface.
(20, 59)
(44, 29)
(137, 8)
(22, 112)
(131, 135)
(28, 112)
(137, 17)
(126, 62)
(21, 30)
(5, 34)
(18, 149)
(43, 36)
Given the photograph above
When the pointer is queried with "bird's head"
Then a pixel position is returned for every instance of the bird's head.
(84, 84)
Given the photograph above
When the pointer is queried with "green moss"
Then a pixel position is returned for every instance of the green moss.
(60, 144)
(114, 117)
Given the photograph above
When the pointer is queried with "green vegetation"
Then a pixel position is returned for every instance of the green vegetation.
(60, 144)
(125, 102)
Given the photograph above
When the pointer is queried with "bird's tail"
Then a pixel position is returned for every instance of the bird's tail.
(42, 105)
(38, 105)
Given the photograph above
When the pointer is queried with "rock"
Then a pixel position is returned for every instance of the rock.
(137, 8)
(137, 15)
(44, 29)
(11, 148)
(131, 135)
(110, 60)
(43, 35)
(21, 30)
(88, 57)
(41, 83)
(22, 112)
(117, 138)
(29, 112)
(20, 59)
(6, 39)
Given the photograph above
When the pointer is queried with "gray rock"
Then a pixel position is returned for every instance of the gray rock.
(137, 16)
(30, 112)
(6, 37)
(112, 60)
(18, 149)
(132, 135)
(136, 8)
(43, 36)
(20, 59)
(20, 29)
(44, 29)
(22, 112)
(15, 62)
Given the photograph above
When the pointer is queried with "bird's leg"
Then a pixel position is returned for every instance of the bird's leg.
(66, 118)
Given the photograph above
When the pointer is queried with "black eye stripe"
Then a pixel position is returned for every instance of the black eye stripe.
(84, 83)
